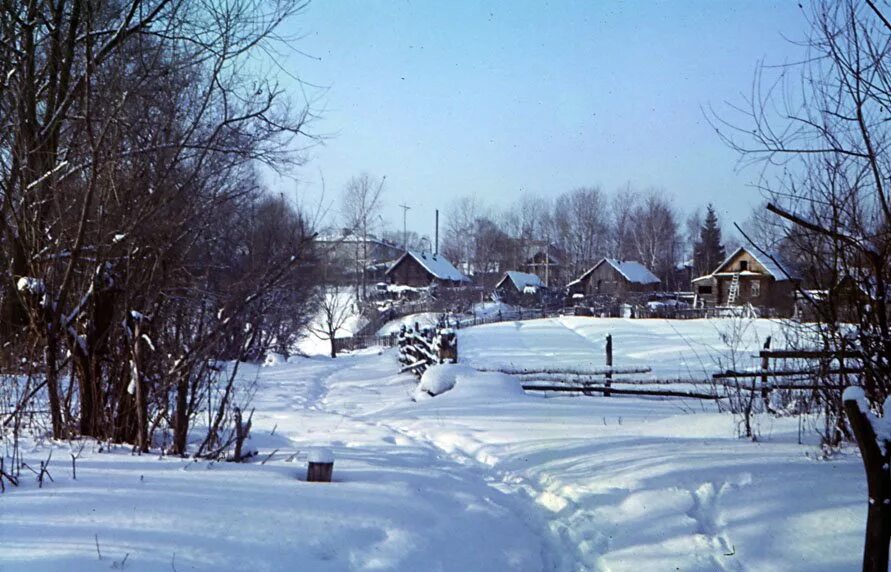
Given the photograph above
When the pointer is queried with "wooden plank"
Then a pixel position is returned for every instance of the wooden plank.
(782, 373)
(620, 391)
(807, 354)
(554, 371)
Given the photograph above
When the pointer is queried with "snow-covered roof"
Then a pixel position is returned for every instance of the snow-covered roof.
(435, 264)
(767, 262)
(633, 271)
(521, 280)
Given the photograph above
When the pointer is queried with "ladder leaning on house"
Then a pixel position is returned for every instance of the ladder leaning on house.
(734, 290)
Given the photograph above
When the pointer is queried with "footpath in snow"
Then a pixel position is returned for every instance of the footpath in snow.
(482, 477)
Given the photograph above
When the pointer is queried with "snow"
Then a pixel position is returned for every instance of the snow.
(855, 393)
(274, 359)
(33, 286)
(440, 378)
(691, 349)
(490, 309)
(482, 477)
(320, 455)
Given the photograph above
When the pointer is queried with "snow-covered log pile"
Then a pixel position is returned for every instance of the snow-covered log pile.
(419, 348)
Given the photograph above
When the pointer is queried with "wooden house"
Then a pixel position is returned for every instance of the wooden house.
(748, 278)
(421, 269)
(618, 279)
(520, 288)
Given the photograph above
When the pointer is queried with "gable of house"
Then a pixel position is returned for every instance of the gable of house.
(744, 261)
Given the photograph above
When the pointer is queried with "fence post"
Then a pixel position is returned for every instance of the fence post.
(609, 364)
(765, 378)
(878, 479)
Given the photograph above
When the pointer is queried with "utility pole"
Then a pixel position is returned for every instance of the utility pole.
(405, 209)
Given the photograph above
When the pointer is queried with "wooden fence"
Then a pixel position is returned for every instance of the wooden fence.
(453, 321)
(764, 380)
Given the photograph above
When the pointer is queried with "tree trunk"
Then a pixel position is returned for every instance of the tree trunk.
(52, 385)
(139, 390)
(181, 422)
(878, 479)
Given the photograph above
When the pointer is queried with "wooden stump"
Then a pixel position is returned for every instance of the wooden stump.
(321, 466)
(319, 472)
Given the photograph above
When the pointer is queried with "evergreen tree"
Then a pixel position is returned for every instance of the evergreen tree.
(708, 252)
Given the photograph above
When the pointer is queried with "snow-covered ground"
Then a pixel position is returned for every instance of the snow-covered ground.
(481, 477)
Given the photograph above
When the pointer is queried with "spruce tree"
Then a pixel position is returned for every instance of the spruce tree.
(708, 251)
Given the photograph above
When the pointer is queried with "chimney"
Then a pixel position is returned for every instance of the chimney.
(436, 244)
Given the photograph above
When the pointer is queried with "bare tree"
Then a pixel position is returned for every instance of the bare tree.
(654, 237)
(129, 132)
(336, 307)
(581, 227)
(624, 204)
(361, 205)
(458, 243)
(819, 131)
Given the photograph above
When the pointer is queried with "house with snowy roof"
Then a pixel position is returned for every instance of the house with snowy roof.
(420, 269)
(746, 277)
(613, 278)
(520, 288)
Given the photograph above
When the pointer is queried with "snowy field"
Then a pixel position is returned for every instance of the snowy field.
(482, 477)
(687, 349)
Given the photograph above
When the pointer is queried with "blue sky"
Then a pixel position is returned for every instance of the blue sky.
(497, 98)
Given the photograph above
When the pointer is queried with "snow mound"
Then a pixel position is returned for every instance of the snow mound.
(441, 378)
(464, 382)
(274, 359)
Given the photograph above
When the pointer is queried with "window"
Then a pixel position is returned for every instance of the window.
(743, 265)
(756, 288)
(599, 284)
(705, 289)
